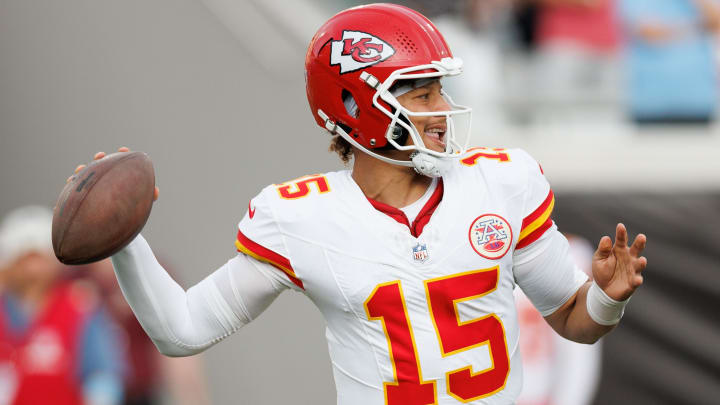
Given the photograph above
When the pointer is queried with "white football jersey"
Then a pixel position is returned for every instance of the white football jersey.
(419, 313)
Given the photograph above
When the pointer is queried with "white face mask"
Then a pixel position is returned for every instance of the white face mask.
(425, 161)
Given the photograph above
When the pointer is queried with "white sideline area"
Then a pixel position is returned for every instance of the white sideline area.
(593, 156)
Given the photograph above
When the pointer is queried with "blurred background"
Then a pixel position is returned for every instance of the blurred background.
(617, 99)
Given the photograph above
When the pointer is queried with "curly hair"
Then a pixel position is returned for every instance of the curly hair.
(342, 147)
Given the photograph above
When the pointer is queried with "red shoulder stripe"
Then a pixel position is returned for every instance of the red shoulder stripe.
(535, 224)
(535, 235)
(539, 211)
(259, 252)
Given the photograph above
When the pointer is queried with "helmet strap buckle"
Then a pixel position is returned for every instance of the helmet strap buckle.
(328, 123)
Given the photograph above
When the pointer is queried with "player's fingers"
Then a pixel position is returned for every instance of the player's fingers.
(641, 264)
(99, 156)
(123, 149)
(604, 248)
(638, 245)
(69, 179)
(621, 237)
(78, 168)
(156, 194)
(637, 281)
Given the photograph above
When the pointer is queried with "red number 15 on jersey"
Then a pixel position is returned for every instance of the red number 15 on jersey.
(387, 304)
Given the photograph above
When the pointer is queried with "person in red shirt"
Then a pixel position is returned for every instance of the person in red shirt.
(151, 377)
(57, 346)
(590, 24)
(576, 59)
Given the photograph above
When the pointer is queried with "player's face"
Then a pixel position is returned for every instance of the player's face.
(425, 99)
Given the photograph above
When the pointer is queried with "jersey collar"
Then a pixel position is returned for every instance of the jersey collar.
(423, 216)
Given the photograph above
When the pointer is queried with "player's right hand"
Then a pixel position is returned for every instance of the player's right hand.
(101, 155)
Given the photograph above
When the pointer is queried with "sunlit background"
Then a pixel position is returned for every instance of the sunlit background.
(617, 99)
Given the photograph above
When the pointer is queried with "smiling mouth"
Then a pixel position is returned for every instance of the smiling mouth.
(437, 135)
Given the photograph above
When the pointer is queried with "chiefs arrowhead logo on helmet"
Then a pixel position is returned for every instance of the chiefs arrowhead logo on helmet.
(357, 50)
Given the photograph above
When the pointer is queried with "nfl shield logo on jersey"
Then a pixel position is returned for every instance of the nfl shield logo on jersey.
(420, 253)
(490, 236)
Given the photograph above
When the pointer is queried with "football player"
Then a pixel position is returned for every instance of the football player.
(425, 313)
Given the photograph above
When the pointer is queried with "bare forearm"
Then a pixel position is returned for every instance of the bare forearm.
(574, 323)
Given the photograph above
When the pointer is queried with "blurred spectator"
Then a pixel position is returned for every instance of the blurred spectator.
(588, 24)
(524, 19)
(56, 345)
(152, 378)
(564, 64)
(671, 63)
(556, 371)
(473, 28)
(576, 54)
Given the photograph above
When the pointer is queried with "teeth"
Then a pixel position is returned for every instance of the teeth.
(437, 134)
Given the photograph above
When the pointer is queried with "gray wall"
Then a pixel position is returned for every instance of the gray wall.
(665, 349)
(165, 77)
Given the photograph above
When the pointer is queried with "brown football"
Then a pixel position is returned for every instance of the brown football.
(103, 207)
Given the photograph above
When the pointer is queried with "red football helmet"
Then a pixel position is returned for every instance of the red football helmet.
(359, 54)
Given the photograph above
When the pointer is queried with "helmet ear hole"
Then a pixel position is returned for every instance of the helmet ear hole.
(351, 105)
(351, 108)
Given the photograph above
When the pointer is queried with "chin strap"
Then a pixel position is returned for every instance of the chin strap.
(429, 165)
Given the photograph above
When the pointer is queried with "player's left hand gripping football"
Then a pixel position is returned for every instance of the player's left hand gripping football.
(617, 268)
(101, 155)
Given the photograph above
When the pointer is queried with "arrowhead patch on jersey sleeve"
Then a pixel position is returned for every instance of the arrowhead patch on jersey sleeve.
(490, 236)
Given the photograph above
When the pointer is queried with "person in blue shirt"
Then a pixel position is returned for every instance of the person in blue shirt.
(670, 54)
